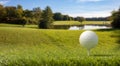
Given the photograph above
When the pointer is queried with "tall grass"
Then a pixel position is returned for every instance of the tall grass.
(37, 47)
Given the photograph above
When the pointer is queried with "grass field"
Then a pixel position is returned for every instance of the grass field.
(37, 47)
(18, 26)
(61, 23)
(83, 23)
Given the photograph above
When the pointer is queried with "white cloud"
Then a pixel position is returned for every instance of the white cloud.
(4, 1)
(92, 14)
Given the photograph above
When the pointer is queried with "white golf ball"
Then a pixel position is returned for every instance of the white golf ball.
(88, 39)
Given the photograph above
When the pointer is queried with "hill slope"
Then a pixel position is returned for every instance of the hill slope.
(25, 46)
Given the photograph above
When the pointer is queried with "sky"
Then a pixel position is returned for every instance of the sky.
(85, 8)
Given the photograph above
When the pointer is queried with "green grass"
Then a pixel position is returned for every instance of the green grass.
(37, 47)
(18, 26)
(78, 23)
(60, 24)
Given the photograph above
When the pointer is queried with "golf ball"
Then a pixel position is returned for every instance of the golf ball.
(88, 39)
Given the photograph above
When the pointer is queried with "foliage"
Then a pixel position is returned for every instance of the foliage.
(19, 11)
(33, 47)
(37, 14)
(34, 16)
(80, 19)
(116, 19)
(2, 13)
(24, 21)
(66, 17)
(10, 14)
(47, 18)
(58, 16)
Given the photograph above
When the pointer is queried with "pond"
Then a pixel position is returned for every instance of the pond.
(88, 27)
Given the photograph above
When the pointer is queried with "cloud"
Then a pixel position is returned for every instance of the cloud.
(92, 14)
(4, 1)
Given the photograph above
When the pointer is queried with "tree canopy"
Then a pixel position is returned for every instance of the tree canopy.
(116, 19)
(47, 18)
(17, 15)
(80, 19)
(58, 16)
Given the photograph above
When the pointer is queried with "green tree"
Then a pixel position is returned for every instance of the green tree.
(80, 19)
(28, 13)
(29, 16)
(65, 17)
(11, 15)
(24, 21)
(19, 11)
(47, 18)
(11, 11)
(37, 13)
(2, 13)
(116, 19)
(58, 16)
(71, 18)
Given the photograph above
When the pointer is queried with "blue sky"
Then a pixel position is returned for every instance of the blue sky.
(85, 8)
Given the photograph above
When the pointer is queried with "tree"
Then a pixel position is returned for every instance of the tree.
(116, 19)
(28, 13)
(24, 21)
(37, 13)
(58, 16)
(47, 18)
(33, 16)
(65, 17)
(11, 11)
(11, 15)
(80, 19)
(29, 16)
(71, 18)
(19, 11)
(2, 13)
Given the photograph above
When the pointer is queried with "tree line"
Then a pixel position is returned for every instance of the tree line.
(43, 18)
(98, 19)
(17, 15)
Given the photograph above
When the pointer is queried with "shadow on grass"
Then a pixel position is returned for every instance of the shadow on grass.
(105, 29)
